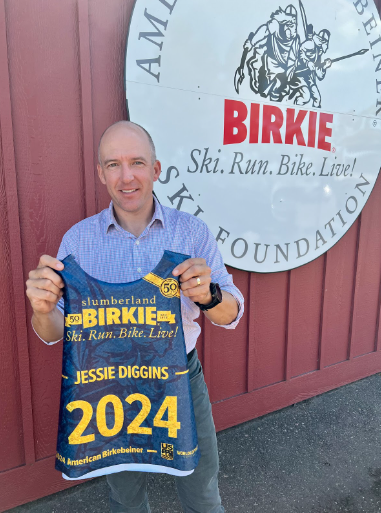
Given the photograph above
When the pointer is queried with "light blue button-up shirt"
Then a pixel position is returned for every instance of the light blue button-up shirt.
(109, 253)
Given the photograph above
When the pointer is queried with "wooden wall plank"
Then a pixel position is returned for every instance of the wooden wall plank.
(11, 432)
(339, 289)
(368, 277)
(86, 102)
(46, 110)
(306, 287)
(17, 296)
(228, 352)
(267, 308)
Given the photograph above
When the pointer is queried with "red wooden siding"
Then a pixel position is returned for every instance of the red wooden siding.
(61, 84)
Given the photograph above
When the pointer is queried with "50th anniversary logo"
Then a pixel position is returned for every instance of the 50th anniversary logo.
(266, 117)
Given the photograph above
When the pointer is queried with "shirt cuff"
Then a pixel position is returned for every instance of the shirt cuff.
(239, 299)
(44, 341)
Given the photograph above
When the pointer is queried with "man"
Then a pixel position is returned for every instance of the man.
(310, 67)
(275, 50)
(124, 243)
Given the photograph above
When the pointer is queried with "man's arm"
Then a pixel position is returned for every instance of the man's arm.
(260, 35)
(49, 327)
(44, 290)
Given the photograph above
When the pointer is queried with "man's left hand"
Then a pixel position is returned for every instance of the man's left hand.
(195, 279)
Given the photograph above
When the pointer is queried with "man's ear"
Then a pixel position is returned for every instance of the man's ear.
(101, 174)
(157, 170)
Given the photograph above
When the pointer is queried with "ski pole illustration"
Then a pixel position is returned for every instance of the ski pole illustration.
(360, 52)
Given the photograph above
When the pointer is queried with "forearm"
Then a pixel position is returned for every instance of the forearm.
(224, 313)
(49, 326)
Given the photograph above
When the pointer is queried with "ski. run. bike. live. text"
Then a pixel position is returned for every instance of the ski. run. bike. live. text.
(282, 252)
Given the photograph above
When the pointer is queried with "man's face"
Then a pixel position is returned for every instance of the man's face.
(288, 30)
(127, 169)
(321, 43)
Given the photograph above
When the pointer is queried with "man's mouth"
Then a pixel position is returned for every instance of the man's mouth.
(128, 191)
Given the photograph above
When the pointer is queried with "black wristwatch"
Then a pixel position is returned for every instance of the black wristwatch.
(216, 297)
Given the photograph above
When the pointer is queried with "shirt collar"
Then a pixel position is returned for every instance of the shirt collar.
(110, 220)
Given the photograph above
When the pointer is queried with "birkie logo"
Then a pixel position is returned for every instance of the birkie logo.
(266, 117)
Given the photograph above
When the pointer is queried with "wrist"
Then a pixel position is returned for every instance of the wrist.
(43, 319)
(212, 299)
(206, 300)
(41, 316)
(48, 326)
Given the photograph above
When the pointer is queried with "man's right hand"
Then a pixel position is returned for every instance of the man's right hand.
(44, 287)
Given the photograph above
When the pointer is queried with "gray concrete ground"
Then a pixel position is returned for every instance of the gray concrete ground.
(320, 456)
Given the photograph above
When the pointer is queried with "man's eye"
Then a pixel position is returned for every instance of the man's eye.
(112, 164)
(138, 163)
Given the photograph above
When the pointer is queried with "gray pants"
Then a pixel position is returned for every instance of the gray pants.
(197, 492)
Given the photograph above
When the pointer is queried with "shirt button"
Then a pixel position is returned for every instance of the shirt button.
(139, 270)
(137, 243)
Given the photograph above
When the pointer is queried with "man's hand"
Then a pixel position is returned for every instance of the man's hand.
(44, 290)
(44, 287)
(327, 64)
(191, 272)
(194, 268)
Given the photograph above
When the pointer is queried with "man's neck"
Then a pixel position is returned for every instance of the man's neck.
(134, 222)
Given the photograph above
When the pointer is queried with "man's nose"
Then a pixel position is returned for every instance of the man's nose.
(127, 174)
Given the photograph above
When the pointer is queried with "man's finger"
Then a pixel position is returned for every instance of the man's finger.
(197, 293)
(49, 261)
(46, 273)
(194, 271)
(181, 268)
(42, 295)
(200, 282)
(44, 284)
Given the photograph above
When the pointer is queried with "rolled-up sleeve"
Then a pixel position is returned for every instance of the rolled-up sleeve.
(205, 246)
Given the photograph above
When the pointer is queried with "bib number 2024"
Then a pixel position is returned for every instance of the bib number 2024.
(169, 403)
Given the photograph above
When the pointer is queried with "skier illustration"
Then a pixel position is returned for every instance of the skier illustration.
(310, 68)
(275, 50)
(279, 66)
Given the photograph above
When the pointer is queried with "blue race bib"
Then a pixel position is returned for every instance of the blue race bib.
(126, 401)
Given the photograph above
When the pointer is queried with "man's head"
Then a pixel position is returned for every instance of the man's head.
(288, 22)
(128, 167)
(322, 40)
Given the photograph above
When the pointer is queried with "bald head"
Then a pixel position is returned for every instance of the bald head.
(120, 127)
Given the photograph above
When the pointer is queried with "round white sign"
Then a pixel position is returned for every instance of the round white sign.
(266, 117)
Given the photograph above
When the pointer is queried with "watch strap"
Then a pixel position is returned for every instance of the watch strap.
(216, 297)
